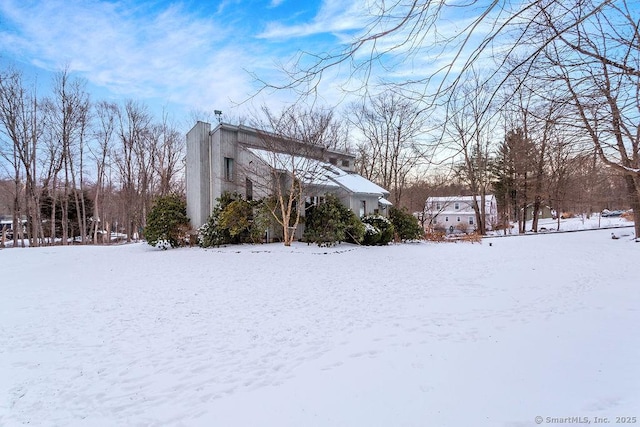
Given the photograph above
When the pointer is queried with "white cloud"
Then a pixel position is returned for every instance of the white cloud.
(138, 52)
(193, 58)
(334, 16)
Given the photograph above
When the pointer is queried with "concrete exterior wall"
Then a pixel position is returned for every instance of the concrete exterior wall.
(225, 145)
(198, 180)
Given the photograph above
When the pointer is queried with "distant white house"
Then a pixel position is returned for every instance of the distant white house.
(238, 159)
(457, 213)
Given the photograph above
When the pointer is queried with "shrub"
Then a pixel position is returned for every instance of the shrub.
(472, 237)
(234, 220)
(331, 222)
(378, 230)
(211, 233)
(405, 225)
(167, 223)
(461, 227)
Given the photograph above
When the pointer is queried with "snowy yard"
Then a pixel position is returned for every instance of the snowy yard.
(424, 334)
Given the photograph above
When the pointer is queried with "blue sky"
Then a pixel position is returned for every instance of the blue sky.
(198, 55)
(181, 55)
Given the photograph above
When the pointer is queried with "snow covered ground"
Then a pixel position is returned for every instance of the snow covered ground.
(425, 334)
(578, 223)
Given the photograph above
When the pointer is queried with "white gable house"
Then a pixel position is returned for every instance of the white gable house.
(236, 159)
(456, 213)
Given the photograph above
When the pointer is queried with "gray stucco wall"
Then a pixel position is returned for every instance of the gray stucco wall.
(197, 174)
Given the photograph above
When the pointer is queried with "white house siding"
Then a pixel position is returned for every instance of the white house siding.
(441, 212)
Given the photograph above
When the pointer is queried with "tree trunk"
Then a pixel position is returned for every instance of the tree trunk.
(536, 214)
(633, 188)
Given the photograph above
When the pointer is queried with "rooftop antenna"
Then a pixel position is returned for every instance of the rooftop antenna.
(218, 114)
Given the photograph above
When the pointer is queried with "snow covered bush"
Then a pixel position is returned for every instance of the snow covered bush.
(331, 222)
(378, 230)
(167, 223)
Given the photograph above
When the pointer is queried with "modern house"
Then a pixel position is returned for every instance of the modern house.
(251, 162)
(457, 213)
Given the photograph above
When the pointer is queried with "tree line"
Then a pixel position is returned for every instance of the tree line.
(78, 168)
(547, 117)
(86, 169)
(548, 89)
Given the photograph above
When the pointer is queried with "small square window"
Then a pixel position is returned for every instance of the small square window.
(345, 163)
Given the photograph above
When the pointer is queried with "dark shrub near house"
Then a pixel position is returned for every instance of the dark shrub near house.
(331, 222)
(406, 225)
(378, 230)
(234, 220)
(167, 223)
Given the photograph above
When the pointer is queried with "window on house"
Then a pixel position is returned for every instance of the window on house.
(363, 208)
(228, 169)
(470, 220)
(458, 219)
(438, 206)
(345, 163)
(314, 200)
(446, 219)
(248, 184)
(456, 206)
(333, 160)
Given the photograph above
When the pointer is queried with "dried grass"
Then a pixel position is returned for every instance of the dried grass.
(628, 215)
(435, 236)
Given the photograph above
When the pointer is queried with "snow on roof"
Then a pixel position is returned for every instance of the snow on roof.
(446, 205)
(311, 171)
(319, 173)
(453, 199)
(358, 184)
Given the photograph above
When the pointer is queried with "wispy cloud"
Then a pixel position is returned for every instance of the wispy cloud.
(168, 53)
(195, 54)
(334, 16)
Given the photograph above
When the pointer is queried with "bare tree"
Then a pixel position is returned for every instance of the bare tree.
(169, 157)
(133, 123)
(69, 110)
(559, 155)
(597, 56)
(104, 134)
(470, 127)
(590, 45)
(21, 124)
(389, 129)
(290, 165)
